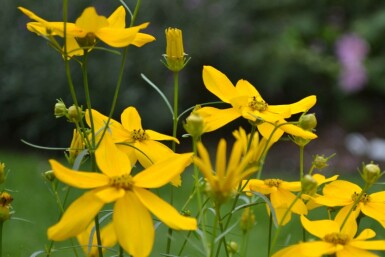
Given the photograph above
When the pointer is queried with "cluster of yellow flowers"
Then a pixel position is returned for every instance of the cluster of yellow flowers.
(116, 148)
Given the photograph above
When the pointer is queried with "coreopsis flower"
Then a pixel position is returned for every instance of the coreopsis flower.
(223, 181)
(133, 200)
(89, 27)
(333, 241)
(246, 102)
(87, 239)
(281, 196)
(175, 56)
(345, 193)
(139, 144)
(258, 146)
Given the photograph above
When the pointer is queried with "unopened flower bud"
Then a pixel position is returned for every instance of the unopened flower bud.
(232, 247)
(320, 162)
(247, 220)
(49, 175)
(371, 173)
(5, 203)
(308, 121)
(194, 125)
(175, 56)
(2, 173)
(60, 109)
(75, 114)
(77, 145)
(308, 185)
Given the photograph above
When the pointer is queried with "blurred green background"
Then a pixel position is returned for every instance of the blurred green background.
(287, 49)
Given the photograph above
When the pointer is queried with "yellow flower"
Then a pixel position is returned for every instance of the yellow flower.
(342, 243)
(88, 27)
(344, 193)
(77, 145)
(224, 181)
(281, 196)
(87, 239)
(131, 218)
(175, 55)
(248, 103)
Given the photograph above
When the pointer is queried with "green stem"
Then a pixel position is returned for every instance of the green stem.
(1, 238)
(175, 115)
(221, 228)
(354, 206)
(301, 164)
(214, 233)
(270, 234)
(98, 237)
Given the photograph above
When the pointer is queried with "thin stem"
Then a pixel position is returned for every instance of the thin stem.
(223, 240)
(354, 206)
(175, 115)
(270, 234)
(98, 237)
(301, 162)
(1, 238)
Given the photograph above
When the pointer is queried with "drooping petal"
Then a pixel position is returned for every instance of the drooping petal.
(141, 39)
(214, 118)
(163, 171)
(366, 234)
(73, 47)
(133, 225)
(130, 119)
(153, 135)
(303, 105)
(76, 218)
(118, 18)
(218, 84)
(110, 159)
(375, 210)
(294, 130)
(350, 227)
(79, 179)
(320, 228)
(164, 211)
(90, 21)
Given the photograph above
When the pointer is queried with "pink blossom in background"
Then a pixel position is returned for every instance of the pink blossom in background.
(351, 51)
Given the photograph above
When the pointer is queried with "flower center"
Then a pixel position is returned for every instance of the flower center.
(364, 199)
(124, 181)
(139, 135)
(88, 41)
(336, 238)
(258, 104)
(273, 182)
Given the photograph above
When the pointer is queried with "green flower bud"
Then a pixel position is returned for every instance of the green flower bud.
(320, 162)
(308, 185)
(247, 220)
(74, 114)
(308, 121)
(194, 125)
(232, 247)
(60, 109)
(371, 173)
(49, 175)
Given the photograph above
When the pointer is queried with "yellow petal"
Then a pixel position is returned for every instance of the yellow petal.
(369, 245)
(214, 118)
(352, 251)
(284, 198)
(290, 251)
(218, 84)
(73, 47)
(163, 171)
(220, 165)
(153, 135)
(118, 18)
(375, 211)
(320, 228)
(366, 234)
(164, 211)
(141, 39)
(109, 194)
(107, 234)
(76, 218)
(350, 227)
(90, 21)
(244, 88)
(118, 37)
(303, 105)
(130, 119)
(110, 159)
(31, 15)
(318, 249)
(294, 130)
(133, 225)
(338, 193)
(291, 186)
(268, 131)
(79, 179)
(149, 152)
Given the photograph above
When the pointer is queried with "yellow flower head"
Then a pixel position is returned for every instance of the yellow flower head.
(333, 240)
(175, 55)
(345, 193)
(281, 196)
(90, 26)
(224, 180)
(133, 200)
(246, 102)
